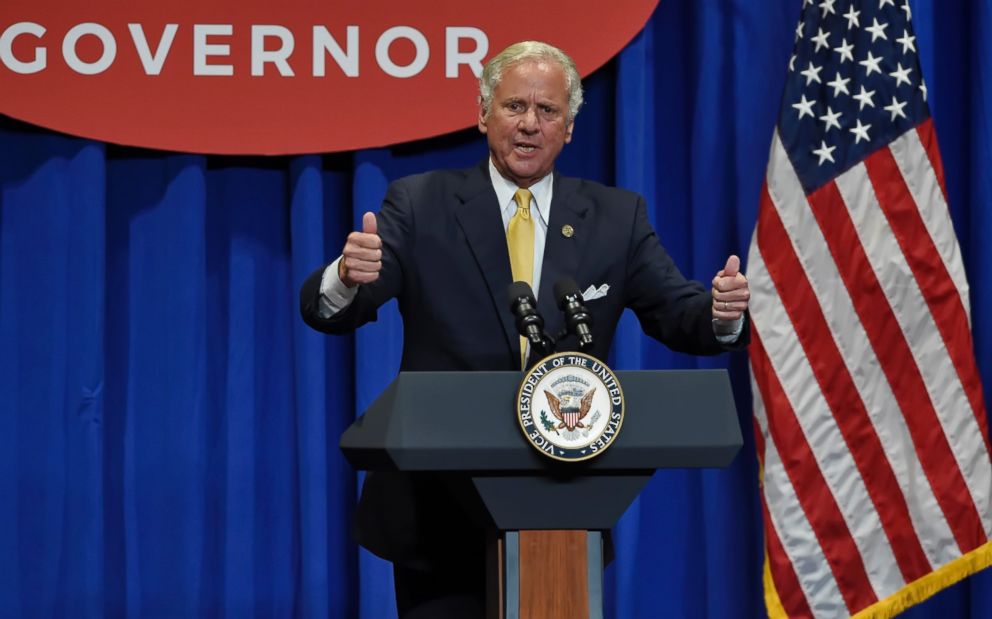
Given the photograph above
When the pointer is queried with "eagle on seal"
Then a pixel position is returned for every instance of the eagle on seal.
(570, 418)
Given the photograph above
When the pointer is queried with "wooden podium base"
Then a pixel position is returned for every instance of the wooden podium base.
(546, 575)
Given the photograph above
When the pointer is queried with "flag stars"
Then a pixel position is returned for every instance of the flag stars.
(820, 39)
(870, 64)
(901, 75)
(906, 41)
(812, 73)
(852, 18)
(865, 98)
(877, 30)
(805, 107)
(896, 60)
(895, 108)
(906, 9)
(824, 152)
(860, 132)
(839, 85)
(845, 50)
(830, 119)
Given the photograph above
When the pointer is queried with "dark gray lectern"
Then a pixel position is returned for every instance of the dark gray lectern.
(549, 514)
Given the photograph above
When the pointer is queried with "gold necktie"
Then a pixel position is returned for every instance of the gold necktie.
(520, 242)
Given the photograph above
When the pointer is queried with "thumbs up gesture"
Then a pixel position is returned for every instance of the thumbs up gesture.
(730, 291)
(361, 258)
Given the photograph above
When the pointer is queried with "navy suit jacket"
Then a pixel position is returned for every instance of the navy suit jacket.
(445, 259)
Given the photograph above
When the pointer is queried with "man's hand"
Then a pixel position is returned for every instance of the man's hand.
(361, 258)
(730, 291)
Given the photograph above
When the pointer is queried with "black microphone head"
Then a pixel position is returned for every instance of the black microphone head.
(566, 287)
(518, 290)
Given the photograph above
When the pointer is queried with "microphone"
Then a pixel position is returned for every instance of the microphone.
(578, 320)
(530, 323)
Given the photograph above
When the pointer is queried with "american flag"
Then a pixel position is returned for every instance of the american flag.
(870, 422)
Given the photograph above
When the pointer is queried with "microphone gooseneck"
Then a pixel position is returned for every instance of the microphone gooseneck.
(578, 320)
(529, 321)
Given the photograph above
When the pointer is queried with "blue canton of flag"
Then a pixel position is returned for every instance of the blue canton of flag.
(854, 84)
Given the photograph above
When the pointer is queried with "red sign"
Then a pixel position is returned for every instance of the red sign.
(295, 76)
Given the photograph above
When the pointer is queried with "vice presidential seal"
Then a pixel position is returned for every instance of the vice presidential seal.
(570, 406)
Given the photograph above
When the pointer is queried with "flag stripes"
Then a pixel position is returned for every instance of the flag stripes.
(777, 565)
(864, 449)
(864, 367)
(895, 313)
(932, 230)
(843, 401)
(928, 138)
(868, 405)
(784, 577)
(882, 326)
(927, 194)
(808, 517)
(849, 416)
(936, 286)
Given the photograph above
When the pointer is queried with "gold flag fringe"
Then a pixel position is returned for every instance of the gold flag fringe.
(911, 594)
(772, 601)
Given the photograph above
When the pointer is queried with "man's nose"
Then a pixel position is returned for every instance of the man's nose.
(528, 121)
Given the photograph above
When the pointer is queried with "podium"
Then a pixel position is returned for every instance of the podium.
(547, 558)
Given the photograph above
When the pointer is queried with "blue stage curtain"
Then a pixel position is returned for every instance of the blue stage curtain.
(168, 425)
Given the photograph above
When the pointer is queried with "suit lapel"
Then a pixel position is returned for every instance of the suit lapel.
(480, 220)
(562, 254)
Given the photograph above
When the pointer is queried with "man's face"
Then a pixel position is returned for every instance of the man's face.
(526, 125)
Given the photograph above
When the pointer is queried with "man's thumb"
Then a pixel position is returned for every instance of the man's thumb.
(733, 266)
(368, 223)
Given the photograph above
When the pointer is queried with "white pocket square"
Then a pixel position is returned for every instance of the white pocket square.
(593, 292)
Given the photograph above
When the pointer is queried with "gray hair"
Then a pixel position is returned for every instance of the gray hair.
(530, 50)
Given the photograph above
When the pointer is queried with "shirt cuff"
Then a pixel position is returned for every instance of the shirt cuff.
(335, 296)
(728, 331)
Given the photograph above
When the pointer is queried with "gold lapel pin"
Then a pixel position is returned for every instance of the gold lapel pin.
(567, 231)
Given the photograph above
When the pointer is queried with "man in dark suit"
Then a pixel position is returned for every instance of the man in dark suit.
(447, 245)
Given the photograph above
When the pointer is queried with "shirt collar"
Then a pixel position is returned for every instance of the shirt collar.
(540, 192)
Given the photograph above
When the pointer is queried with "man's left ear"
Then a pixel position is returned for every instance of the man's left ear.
(568, 132)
